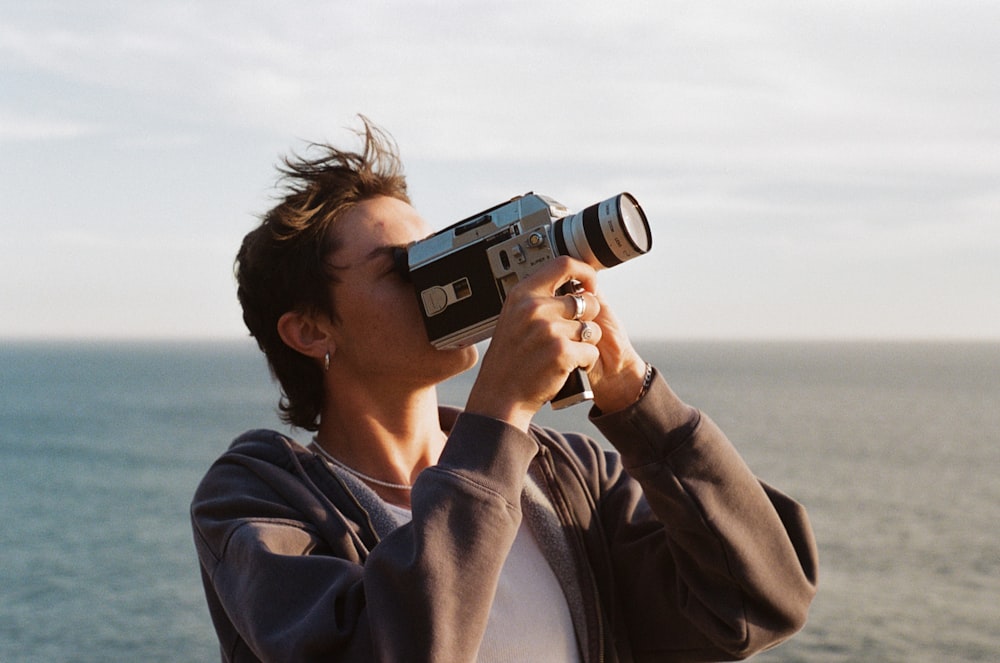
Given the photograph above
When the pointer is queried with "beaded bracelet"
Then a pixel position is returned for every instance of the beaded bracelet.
(647, 380)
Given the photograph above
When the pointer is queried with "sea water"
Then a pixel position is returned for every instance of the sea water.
(894, 448)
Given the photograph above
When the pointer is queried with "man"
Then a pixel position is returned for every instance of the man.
(407, 531)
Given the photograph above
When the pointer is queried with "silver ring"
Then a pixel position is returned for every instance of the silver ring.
(586, 331)
(581, 306)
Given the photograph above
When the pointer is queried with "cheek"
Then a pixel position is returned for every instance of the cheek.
(380, 307)
(404, 301)
(394, 307)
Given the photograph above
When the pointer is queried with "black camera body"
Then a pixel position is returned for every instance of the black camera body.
(462, 274)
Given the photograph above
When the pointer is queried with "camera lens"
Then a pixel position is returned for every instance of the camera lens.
(634, 222)
(605, 234)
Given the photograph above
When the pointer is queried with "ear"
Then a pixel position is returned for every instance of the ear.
(306, 333)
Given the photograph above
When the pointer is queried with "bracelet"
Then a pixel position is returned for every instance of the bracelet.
(647, 380)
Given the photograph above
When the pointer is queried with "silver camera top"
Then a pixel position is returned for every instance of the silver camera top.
(463, 274)
(528, 211)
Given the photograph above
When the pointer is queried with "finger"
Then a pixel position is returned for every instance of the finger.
(581, 306)
(588, 332)
(606, 316)
(585, 354)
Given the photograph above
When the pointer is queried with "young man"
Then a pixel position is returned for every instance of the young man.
(408, 531)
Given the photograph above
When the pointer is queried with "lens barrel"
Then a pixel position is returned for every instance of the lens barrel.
(606, 234)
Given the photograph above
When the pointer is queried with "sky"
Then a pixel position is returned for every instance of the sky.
(810, 170)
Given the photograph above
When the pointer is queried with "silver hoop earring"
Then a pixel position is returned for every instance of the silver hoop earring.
(326, 361)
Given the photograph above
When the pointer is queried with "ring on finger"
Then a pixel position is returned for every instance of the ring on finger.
(580, 306)
(586, 331)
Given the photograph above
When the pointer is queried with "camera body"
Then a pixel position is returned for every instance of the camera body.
(463, 274)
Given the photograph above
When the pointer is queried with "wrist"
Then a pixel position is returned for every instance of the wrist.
(498, 409)
(626, 388)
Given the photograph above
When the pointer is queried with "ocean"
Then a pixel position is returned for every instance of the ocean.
(894, 448)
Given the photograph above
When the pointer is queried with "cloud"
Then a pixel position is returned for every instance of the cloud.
(803, 135)
(21, 129)
(529, 80)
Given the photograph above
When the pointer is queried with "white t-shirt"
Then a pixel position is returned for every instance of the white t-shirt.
(529, 620)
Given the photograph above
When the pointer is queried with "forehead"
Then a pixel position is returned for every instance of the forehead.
(376, 223)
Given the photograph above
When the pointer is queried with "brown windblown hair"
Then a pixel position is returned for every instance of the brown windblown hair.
(281, 265)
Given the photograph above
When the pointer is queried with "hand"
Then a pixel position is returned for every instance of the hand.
(537, 343)
(618, 374)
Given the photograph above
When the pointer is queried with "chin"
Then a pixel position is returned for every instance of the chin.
(442, 365)
(465, 358)
(472, 355)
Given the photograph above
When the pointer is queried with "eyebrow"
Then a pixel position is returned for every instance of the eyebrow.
(377, 252)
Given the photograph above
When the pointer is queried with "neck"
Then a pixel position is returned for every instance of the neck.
(389, 439)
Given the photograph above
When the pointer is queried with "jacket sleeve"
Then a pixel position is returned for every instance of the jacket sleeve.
(708, 561)
(287, 582)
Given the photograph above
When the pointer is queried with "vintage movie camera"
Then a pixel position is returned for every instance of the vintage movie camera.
(462, 274)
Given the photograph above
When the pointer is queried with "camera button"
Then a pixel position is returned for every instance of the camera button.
(536, 239)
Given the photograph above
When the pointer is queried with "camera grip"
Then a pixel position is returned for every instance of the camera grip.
(575, 390)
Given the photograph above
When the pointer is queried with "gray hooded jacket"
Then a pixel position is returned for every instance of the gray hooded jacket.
(667, 549)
